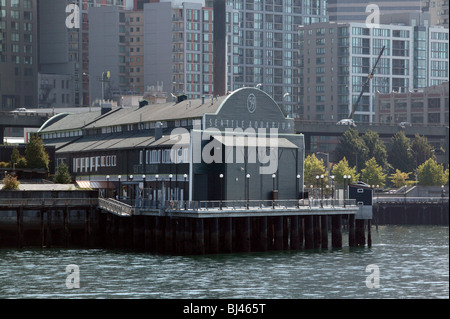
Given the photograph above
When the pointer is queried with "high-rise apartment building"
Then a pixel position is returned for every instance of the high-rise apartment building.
(358, 11)
(336, 58)
(64, 48)
(18, 54)
(179, 47)
(264, 40)
(438, 11)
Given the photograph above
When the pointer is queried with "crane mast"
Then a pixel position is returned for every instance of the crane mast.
(369, 77)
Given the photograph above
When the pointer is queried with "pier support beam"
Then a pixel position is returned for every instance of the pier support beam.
(20, 227)
(351, 230)
(263, 233)
(188, 236)
(66, 225)
(336, 231)
(316, 221)
(199, 238)
(324, 231)
(227, 243)
(360, 236)
(294, 238)
(309, 233)
(278, 232)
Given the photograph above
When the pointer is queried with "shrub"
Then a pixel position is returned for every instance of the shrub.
(10, 182)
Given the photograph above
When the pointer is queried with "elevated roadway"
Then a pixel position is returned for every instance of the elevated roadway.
(434, 134)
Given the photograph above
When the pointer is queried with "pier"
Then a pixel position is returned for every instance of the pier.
(176, 227)
(183, 227)
(82, 219)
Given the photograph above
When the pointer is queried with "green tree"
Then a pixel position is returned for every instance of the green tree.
(399, 154)
(421, 149)
(35, 153)
(342, 168)
(373, 174)
(17, 160)
(375, 148)
(352, 147)
(399, 179)
(313, 167)
(10, 182)
(432, 174)
(62, 175)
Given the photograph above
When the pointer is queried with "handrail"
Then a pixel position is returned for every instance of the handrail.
(34, 202)
(404, 199)
(115, 207)
(175, 205)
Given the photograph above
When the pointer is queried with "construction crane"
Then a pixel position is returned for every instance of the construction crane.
(369, 77)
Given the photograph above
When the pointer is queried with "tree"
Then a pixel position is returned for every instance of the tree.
(10, 182)
(421, 149)
(342, 168)
(375, 148)
(62, 175)
(432, 174)
(35, 153)
(313, 167)
(373, 174)
(17, 160)
(399, 155)
(352, 147)
(400, 179)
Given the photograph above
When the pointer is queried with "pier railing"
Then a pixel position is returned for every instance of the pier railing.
(410, 200)
(115, 207)
(257, 204)
(47, 202)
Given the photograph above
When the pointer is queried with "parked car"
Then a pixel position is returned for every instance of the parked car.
(346, 122)
(404, 124)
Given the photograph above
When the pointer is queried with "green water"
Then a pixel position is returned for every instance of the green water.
(413, 262)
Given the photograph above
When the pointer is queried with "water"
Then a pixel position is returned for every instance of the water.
(413, 262)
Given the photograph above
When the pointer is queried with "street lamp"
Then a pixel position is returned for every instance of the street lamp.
(131, 190)
(273, 190)
(321, 178)
(156, 189)
(297, 188)
(221, 190)
(317, 184)
(248, 189)
(345, 182)
(119, 177)
(332, 189)
(170, 186)
(184, 190)
(107, 185)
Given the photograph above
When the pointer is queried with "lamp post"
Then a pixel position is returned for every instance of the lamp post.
(332, 190)
(273, 190)
(184, 190)
(221, 191)
(156, 190)
(131, 188)
(297, 187)
(248, 189)
(345, 186)
(107, 185)
(321, 179)
(170, 186)
(317, 185)
(119, 177)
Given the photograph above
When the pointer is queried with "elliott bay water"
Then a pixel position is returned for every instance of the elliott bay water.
(413, 262)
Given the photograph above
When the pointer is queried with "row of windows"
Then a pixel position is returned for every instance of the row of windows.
(61, 134)
(165, 156)
(93, 163)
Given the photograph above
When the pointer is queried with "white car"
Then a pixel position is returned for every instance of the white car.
(346, 122)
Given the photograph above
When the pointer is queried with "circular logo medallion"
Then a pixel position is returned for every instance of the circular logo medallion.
(251, 103)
